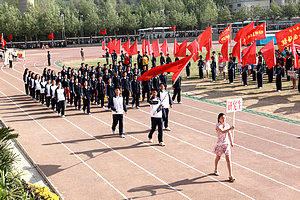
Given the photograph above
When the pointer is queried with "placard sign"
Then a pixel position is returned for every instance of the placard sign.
(291, 73)
(234, 105)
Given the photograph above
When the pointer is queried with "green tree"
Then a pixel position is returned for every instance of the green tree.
(224, 15)
(208, 13)
(256, 13)
(241, 14)
(30, 24)
(10, 19)
(290, 10)
(72, 23)
(275, 12)
(109, 17)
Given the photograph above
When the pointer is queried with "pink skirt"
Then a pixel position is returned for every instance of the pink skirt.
(222, 149)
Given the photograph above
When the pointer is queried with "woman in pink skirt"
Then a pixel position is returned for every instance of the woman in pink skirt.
(223, 144)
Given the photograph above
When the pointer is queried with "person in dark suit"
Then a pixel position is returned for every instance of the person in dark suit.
(200, 67)
(114, 56)
(86, 96)
(140, 61)
(100, 92)
(278, 73)
(77, 94)
(135, 92)
(162, 59)
(163, 79)
(109, 92)
(107, 56)
(177, 90)
(187, 69)
(153, 61)
(145, 86)
(125, 83)
(260, 73)
(116, 80)
(213, 67)
(93, 86)
(231, 70)
(168, 61)
(71, 89)
(245, 75)
(49, 58)
(106, 76)
(155, 83)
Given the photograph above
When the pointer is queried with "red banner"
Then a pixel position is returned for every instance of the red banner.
(103, 32)
(51, 36)
(155, 48)
(249, 55)
(243, 32)
(164, 48)
(285, 37)
(258, 33)
(225, 36)
(268, 52)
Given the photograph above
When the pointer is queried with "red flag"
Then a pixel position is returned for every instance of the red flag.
(208, 47)
(181, 50)
(51, 36)
(175, 47)
(268, 52)
(173, 28)
(193, 48)
(164, 47)
(103, 32)
(109, 44)
(243, 32)
(144, 46)
(10, 37)
(285, 37)
(257, 33)
(103, 45)
(133, 49)
(126, 46)
(236, 51)
(148, 47)
(175, 67)
(118, 47)
(225, 36)
(249, 54)
(3, 42)
(155, 48)
(204, 38)
(295, 54)
(224, 52)
(112, 46)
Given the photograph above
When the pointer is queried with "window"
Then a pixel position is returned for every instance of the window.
(238, 5)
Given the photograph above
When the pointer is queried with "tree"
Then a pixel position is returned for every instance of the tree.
(256, 12)
(224, 15)
(109, 17)
(10, 19)
(290, 10)
(241, 14)
(274, 12)
(128, 19)
(208, 13)
(30, 27)
(72, 23)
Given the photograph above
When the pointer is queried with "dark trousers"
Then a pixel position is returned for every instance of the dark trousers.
(254, 75)
(117, 118)
(244, 78)
(107, 60)
(259, 79)
(10, 64)
(49, 62)
(136, 99)
(109, 101)
(125, 95)
(60, 107)
(278, 82)
(288, 78)
(93, 96)
(42, 98)
(166, 117)
(26, 89)
(144, 92)
(188, 71)
(156, 122)
(86, 105)
(32, 92)
(100, 99)
(77, 101)
(213, 74)
(38, 95)
(53, 103)
(48, 101)
(270, 75)
(230, 76)
(201, 73)
(177, 92)
(71, 98)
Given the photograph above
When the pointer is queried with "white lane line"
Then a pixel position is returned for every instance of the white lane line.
(176, 159)
(273, 142)
(72, 152)
(148, 172)
(262, 126)
(291, 187)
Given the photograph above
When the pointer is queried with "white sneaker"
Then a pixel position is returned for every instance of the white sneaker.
(122, 136)
(89, 113)
(103, 106)
(150, 141)
(162, 144)
(113, 132)
(168, 129)
(62, 116)
(179, 102)
(137, 107)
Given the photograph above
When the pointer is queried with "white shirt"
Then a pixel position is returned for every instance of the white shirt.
(48, 90)
(53, 88)
(164, 96)
(44, 85)
(37, 85)
(60, 94)
(153, 108)
(118, 104)
(32, 82)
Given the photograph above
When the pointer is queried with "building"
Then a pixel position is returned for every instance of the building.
(23, 5)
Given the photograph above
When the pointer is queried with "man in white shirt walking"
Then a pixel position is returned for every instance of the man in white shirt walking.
(166, 103)
(60, 96)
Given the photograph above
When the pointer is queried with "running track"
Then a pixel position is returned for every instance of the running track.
(84, 161)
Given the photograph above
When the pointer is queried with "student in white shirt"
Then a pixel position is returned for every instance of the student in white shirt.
(166, 104)
(43, 86)
(60, 96)
(52, 92)
(37, 86)
(118, 106)
(48, 92)
(156, 117)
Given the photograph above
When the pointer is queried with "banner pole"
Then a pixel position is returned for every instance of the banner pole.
(233, 124)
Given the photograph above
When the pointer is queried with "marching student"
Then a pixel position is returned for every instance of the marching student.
(187, 69)
(100, 89)
(49, 58)
(162, 59)
(270, 73)
(207, 68)
(213, 67)
(163, 79)
(230, 70)
(106, 76)
(107, 56)
(278, 73)
(114, 56)
(145, 60)
(63, 71)
(168, 60)
(65, 83)
(156, 117)
(244, 75)
(260, 73)
(44, 72)
(177, 90)
(200, 67)
(32, 87)
(77, 94)
(135, 92)
(145, 87)
(288, 65)
(48, 93)
(37, 87)
(153, 61)
(86, 78)
(52, 91)
(116, 80)
(86, 96)
(60, 96)
(93, 89)
(71, 89)
(125, 83)
(29, 82)
(129, 74)
(223, 144)
(59, 78)
(25, 79)
(109, 92)
(118, 106)
(166, 103)
(155, 83)
(43, 84)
